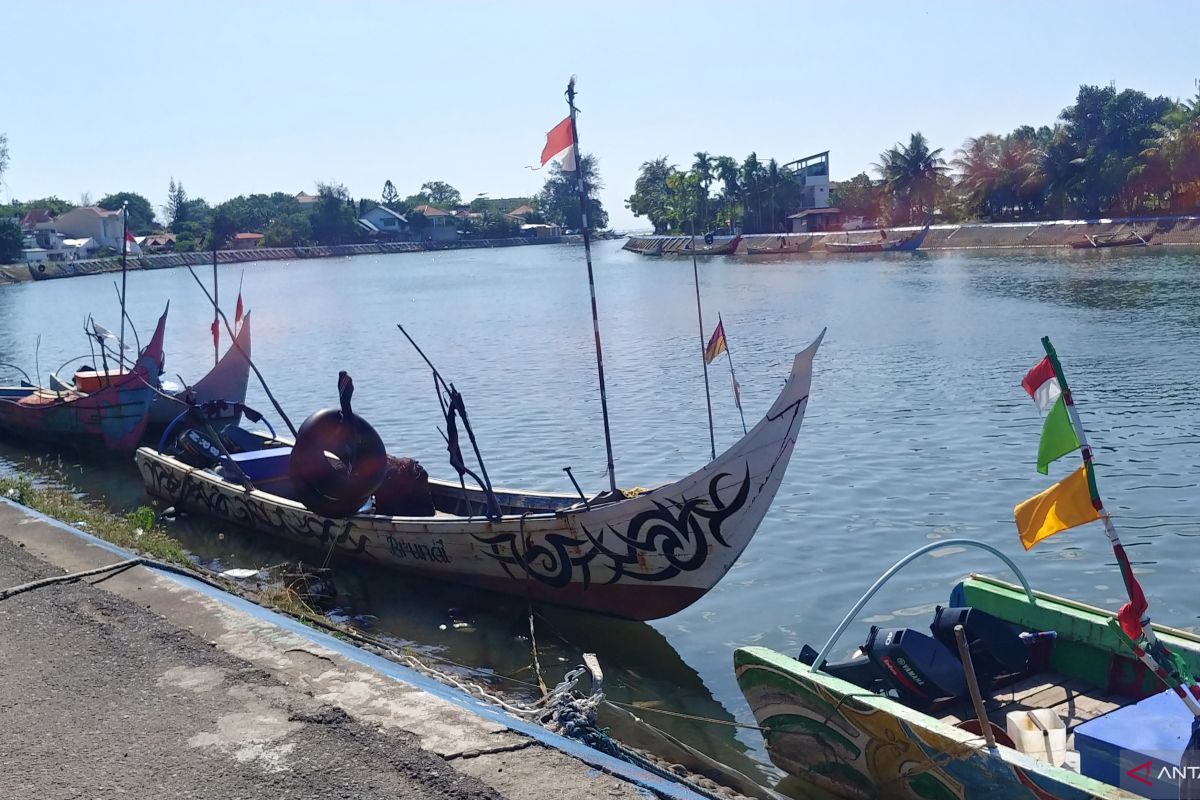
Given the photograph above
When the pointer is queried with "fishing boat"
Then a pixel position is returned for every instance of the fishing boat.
(115, 412)
(1012, 693)
(826, 724)
(635, 555)
(782, 245)
(1090, 241)
(722, 246)
(908, 243)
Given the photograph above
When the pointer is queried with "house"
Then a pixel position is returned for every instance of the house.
(382, 221)
(84, 247)
(537, 230)
(522, 212)
(812, 220)
(306, 200)
(158, 242)
(244, 241)
(88, 222)
(812, 173)
(441, 227)
(36, 216)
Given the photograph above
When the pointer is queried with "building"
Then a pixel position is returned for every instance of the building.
(306, 200)
(244, 241)
(441, 225)
(812, 173)
(36, 216)
(537, 230)
(382, 221)
(88, 222)
(158, 242)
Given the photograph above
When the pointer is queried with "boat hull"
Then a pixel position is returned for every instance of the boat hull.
(227, 380)
(641, 557)
(861, 745)
(115, 416)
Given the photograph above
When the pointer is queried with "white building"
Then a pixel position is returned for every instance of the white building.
(90, 222)
(383, 220)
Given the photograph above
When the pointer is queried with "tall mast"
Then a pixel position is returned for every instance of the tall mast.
(124, 253)
(587, 250)
(712, 440)
(216, 325)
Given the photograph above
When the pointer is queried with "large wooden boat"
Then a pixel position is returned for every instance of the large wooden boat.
(780, 245)
(115, 413)
(825, 723)
(908, 243)
(640, 557)
(719, 247)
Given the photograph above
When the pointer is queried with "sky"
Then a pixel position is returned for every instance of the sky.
(257, 96)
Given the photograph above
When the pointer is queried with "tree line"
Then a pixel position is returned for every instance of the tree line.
(1109, 153)
(331, 220)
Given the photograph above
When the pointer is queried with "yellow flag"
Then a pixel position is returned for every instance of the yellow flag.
(1064, 505)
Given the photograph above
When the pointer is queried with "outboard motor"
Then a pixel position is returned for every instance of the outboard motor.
(996, 649)
(919, 668)
(858, 670)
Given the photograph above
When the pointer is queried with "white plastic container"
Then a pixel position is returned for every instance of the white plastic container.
(1039, 733)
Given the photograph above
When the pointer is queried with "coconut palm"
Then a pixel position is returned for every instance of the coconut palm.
(752, 179)
(731, 189)
(910, 176)
(703, 167)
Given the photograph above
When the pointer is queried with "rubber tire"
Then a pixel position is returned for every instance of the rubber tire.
(323, 487)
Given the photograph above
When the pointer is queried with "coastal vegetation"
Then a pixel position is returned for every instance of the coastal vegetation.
(1114, 153)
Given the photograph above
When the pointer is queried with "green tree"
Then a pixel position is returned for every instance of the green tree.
(221, 230)
(703, 167)
(333, 221)
(731, 187)
(253, 213)
(390, 196)
(176, 208)
(441, 194)
(649, 198)
(857, 197)
(910, 178)
(291, 230)
(11, 241)
(3, 154)
(751, 184)
(559, 198)
(141, 213)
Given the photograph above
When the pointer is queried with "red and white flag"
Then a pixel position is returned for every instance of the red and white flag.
(560, 142)
(131, 245)
(237, 314)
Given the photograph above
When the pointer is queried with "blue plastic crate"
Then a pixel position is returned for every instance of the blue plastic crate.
(1138, 747)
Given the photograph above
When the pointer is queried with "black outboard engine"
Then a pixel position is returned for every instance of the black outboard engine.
(996, 649)
(920, 669)
(858, 670)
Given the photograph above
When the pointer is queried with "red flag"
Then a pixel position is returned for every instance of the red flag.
(558, 140)
(216, 332)
(237, 314)
(1130, 615)
(129, 238)
(716, 344)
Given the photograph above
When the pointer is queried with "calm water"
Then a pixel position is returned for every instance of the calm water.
(917, 428)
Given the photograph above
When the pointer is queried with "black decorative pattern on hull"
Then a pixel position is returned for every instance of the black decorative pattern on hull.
(677, 532)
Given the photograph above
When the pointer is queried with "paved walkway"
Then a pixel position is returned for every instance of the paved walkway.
(142, 687)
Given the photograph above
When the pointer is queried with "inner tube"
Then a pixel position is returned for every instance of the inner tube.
(336, 488)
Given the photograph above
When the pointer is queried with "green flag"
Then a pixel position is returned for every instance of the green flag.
(1058, 436)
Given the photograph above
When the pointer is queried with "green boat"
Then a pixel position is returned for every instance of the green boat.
(829, 725)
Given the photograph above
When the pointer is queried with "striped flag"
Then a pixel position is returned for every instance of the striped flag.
(560, 141)
(716, 344)
(237, 314)
(1058, 434)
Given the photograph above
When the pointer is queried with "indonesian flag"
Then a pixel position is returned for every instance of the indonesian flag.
(1064, 505)
(131, 245)
(237, 314)
(716, 344)
(559, 142)
(216, 334)
(1058, 434)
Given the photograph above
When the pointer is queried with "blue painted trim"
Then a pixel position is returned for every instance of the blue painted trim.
(399, 673)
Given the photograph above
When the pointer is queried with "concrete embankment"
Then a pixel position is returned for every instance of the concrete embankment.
(48, 270)
(966, 236)
(156, 685)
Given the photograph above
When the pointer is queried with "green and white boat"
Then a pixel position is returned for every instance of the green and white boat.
(850, 740)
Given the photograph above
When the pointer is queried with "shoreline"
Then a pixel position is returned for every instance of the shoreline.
(54, 270)
(1046, 234)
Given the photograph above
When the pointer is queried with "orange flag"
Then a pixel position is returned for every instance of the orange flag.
(716, 344)
(1064, 505)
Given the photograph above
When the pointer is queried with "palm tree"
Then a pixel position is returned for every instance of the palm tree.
(731, 190)
(752, 176)
(1172, 158)
(978, 172)
(703, 168)
(910, 175)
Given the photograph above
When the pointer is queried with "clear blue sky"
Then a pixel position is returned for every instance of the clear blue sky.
(233, 98)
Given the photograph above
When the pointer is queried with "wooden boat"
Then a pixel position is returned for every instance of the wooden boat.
(1089, 241)
(639, 557)
(908, 243)
(830, 730)
(722, 247)
(227, 381)
(115, 413)
(782, 246)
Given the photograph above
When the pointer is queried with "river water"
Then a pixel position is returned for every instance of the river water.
(917, 428)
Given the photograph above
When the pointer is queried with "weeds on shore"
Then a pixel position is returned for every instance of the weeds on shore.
(137, 530)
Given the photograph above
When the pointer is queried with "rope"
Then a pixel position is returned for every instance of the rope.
(681, 715)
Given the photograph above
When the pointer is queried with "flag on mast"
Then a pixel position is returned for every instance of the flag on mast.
(237, 314)
(131, 245)
(716, 344)
(1064, 505)
(737, 394)
(559, 142)
(1058, 434)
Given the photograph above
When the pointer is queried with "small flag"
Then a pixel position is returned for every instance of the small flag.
(716, 344)
(1064, 505)
(1058, 434)
(216, 333)
(1130, 615)
(237, 314)
(559, 141)
(131, 245)
(737, 394)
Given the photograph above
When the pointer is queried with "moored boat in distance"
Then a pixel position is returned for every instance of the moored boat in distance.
(682, 245)
(882, 245)
(640, 556)
(1090, 241)
(114, 413)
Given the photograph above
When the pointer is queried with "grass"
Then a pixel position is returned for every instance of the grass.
(138, 530)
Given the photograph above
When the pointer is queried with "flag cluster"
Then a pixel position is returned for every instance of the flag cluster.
(1072, 501)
